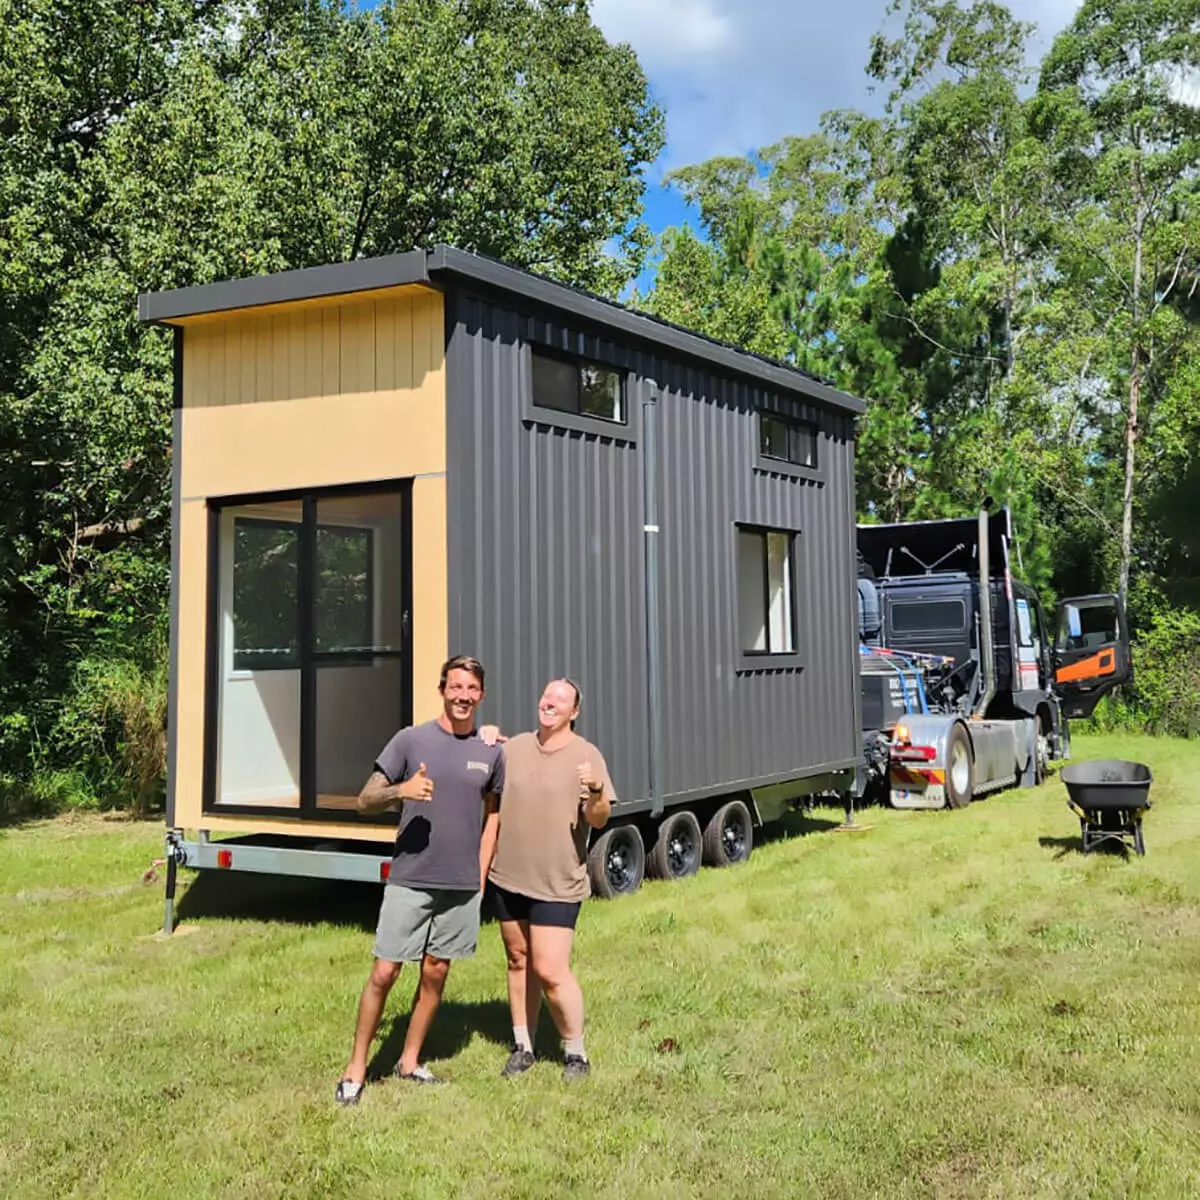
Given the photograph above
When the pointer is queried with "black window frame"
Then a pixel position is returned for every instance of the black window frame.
(573, 419)
(765, 461)
(766, 660)
(309, 809)
(927, 604)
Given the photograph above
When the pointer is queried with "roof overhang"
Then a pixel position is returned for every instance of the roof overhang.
(444, 264)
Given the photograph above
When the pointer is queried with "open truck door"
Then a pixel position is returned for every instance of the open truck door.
(1091, 652)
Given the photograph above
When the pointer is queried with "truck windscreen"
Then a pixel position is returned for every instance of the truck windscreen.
(928, 616)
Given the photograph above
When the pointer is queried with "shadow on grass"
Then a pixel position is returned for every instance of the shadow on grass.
(453, 1027)
(1074, 845)
(296, 901)
(233, 895)
(797, 824)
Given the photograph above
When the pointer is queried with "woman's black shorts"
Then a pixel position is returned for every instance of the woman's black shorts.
(512, 906)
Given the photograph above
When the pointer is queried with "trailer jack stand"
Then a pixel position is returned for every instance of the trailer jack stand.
(850, 825)
(175, 856)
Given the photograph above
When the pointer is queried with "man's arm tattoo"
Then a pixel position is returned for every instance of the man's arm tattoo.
(378, 794)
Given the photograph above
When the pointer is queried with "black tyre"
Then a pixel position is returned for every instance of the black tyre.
(617, 862)
(729, 835)
(678, 848)
(960, 769)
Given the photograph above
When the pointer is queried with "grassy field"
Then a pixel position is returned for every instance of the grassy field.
(946, 1004)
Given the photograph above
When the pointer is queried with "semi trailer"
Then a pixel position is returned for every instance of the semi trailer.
(380, 463)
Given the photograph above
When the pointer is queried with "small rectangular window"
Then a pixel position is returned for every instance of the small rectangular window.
(765, 608)
(787, 440)
(585, 388)
(1024, 624)
(1087, 624)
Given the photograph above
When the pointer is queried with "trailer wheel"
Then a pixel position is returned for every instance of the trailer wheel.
(677, 849)
(729, 835)
(960, 769)
(617, 862)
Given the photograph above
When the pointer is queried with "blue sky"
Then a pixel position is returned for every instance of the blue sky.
(736, 75)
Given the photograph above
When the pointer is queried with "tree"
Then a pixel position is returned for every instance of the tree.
(1127, 147)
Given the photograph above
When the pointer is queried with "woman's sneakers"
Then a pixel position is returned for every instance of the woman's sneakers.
(519, 1061)
(348, 1092)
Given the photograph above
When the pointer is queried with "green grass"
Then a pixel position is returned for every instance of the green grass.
(947, 1004)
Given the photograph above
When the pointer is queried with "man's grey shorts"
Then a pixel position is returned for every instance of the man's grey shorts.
(414, 922)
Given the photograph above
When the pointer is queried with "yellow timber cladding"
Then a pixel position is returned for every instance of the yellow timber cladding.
(310, 394)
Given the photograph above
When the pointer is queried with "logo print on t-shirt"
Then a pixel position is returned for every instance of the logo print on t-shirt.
(474, 766)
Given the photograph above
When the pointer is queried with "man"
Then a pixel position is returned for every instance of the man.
(448, 781)
(556, 790)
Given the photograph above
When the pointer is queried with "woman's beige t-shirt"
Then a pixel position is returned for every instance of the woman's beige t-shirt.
(541, 851)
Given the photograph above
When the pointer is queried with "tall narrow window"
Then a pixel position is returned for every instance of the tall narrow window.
(765, 600)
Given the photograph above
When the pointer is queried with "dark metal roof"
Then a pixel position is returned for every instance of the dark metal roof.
(446, 263)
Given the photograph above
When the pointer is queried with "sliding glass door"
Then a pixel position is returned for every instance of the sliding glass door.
(308, 654)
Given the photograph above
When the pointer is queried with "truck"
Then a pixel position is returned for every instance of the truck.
(967, 689)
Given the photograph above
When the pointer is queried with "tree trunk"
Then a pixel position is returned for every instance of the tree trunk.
(1131, 424)
(1131, 427)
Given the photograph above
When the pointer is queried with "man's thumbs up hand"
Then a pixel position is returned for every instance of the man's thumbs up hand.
(419, 787)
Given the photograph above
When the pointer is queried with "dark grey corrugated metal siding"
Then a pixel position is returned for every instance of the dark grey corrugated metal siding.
(723, 724)
(546, 563)
(545, 549)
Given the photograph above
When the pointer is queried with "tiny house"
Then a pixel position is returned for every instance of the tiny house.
(381, 463)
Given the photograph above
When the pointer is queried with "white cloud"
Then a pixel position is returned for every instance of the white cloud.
(667, 33)
(735, 75)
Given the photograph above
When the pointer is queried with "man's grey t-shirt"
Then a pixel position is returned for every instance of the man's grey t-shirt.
(437, 843)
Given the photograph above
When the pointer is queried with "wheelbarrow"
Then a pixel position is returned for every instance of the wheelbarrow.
(1109, 796)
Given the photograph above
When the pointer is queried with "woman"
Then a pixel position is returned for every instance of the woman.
(557, 789)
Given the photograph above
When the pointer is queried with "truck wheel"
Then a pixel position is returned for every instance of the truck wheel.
(729, 835)
(617, 862)
(960, 769)
(677, 849)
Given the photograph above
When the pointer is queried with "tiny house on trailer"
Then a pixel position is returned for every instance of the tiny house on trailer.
(383, 462)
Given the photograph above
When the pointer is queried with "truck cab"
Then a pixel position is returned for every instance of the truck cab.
(947, 588)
